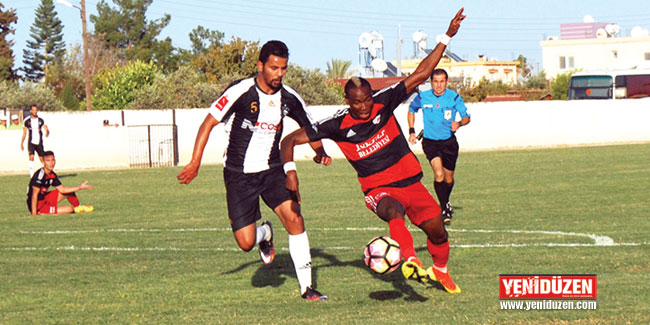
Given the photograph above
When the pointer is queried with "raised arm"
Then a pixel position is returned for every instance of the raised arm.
(66, 190)
(426, 67)
(293, 139)
(192, 169)
(321, 156)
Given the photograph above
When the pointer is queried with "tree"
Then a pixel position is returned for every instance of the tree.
(7, 18)
(47, 45)
(116, 87)
(204, 39)
(236, 57)
(127, 28)
(523, 68)
(313, 86)
(338, 69)
(537, 81)
(560, 85)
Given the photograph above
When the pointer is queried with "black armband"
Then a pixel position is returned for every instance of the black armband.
(411, 130)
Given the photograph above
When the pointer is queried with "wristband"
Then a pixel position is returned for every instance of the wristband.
(411, 130)
(444, 39)
(289, 166)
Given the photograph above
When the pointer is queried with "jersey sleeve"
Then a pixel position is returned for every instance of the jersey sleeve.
(221, 107)
(392, 96)
(298, 108)
(36, 181)
(416, 104)
(321, 130)
(459, 102)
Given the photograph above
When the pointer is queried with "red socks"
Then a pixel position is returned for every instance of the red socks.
(402, 235)
(440, 253)
(72, 198)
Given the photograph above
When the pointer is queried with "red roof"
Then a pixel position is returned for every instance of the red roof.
(503, 98)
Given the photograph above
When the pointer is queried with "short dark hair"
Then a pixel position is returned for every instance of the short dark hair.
(48, 153)
(33, 105)
(356, 82)
(438, 72)
(276, 48)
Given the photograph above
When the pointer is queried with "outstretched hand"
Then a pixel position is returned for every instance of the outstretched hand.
(85, 186)
(454, 25)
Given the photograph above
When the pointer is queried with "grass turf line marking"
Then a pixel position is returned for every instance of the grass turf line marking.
(598, 240)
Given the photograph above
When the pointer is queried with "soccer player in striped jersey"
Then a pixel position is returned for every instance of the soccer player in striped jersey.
(252, 111)
(372, 141)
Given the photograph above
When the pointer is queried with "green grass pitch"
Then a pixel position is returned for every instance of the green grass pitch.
(155, 251)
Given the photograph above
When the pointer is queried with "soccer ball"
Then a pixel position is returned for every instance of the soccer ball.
(382, 255)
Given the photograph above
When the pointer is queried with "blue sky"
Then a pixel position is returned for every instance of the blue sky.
(317, 31)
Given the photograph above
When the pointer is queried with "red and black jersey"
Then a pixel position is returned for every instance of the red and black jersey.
(43, 182)
(376, 147)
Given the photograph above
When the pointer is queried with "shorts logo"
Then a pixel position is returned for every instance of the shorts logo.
(447, 115)
(254, 107)
(221, 103)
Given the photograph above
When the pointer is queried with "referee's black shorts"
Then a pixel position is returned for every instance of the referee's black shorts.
(447, 150)
(243, 192)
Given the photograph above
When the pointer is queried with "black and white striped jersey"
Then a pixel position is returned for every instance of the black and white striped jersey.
(253, 123)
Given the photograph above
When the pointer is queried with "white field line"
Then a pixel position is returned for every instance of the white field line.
(598, 240)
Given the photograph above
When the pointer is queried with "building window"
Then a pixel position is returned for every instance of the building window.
(647, 56)
(571, 62)
(562, 63)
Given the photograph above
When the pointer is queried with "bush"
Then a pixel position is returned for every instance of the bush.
(68, 97)
(28, 94)
(116, 87)
(480, 91)
(184, 88)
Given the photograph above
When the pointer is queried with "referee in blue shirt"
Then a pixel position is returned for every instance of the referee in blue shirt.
(439, 108)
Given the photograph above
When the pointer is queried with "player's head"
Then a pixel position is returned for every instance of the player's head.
(439, 80)
(272, 64)
(358, 94)
(33, 110)
(48, 160)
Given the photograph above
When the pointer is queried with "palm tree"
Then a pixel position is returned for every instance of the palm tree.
(338, 69)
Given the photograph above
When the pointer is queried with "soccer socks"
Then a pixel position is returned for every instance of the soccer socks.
(299, 251)
(72, 198)
(439, 253)
(402, 235)
(31, 168)
(442, 191)
(261, 233)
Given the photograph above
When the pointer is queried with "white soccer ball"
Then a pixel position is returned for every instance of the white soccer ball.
(382, 255)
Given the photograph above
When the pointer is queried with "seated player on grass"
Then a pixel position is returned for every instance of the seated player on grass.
(40, 201)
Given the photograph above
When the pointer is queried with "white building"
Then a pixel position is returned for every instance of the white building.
(595, 50)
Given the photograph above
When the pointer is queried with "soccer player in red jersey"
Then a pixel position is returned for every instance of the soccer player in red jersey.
(40, 201)
(372, 141)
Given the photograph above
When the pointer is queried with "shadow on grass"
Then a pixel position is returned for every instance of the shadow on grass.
(276, 274)
(66, 175)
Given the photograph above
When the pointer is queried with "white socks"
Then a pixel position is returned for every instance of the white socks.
(299, 250)
(441, 269)
(31, 168)
(262, 232)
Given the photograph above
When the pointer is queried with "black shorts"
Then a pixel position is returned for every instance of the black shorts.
(243, 192)
(35, 147)
(447, 150)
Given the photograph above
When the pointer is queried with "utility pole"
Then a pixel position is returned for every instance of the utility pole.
(89, 98)
(82, 12)
(399, 50)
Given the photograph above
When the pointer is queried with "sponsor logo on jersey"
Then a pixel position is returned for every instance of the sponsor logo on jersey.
(427, 105)
(437, 105)
(254, 107)
(377, 119)
(448, 115)
(271, 103)
(373, 144)
(221, 103)
(285, 110)
(261, 127)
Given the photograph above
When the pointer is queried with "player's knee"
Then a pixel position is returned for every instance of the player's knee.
(246, 246)
(389, 209)
(439, 238)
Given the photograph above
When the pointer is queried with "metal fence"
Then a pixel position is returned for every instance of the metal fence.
(153, 145)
